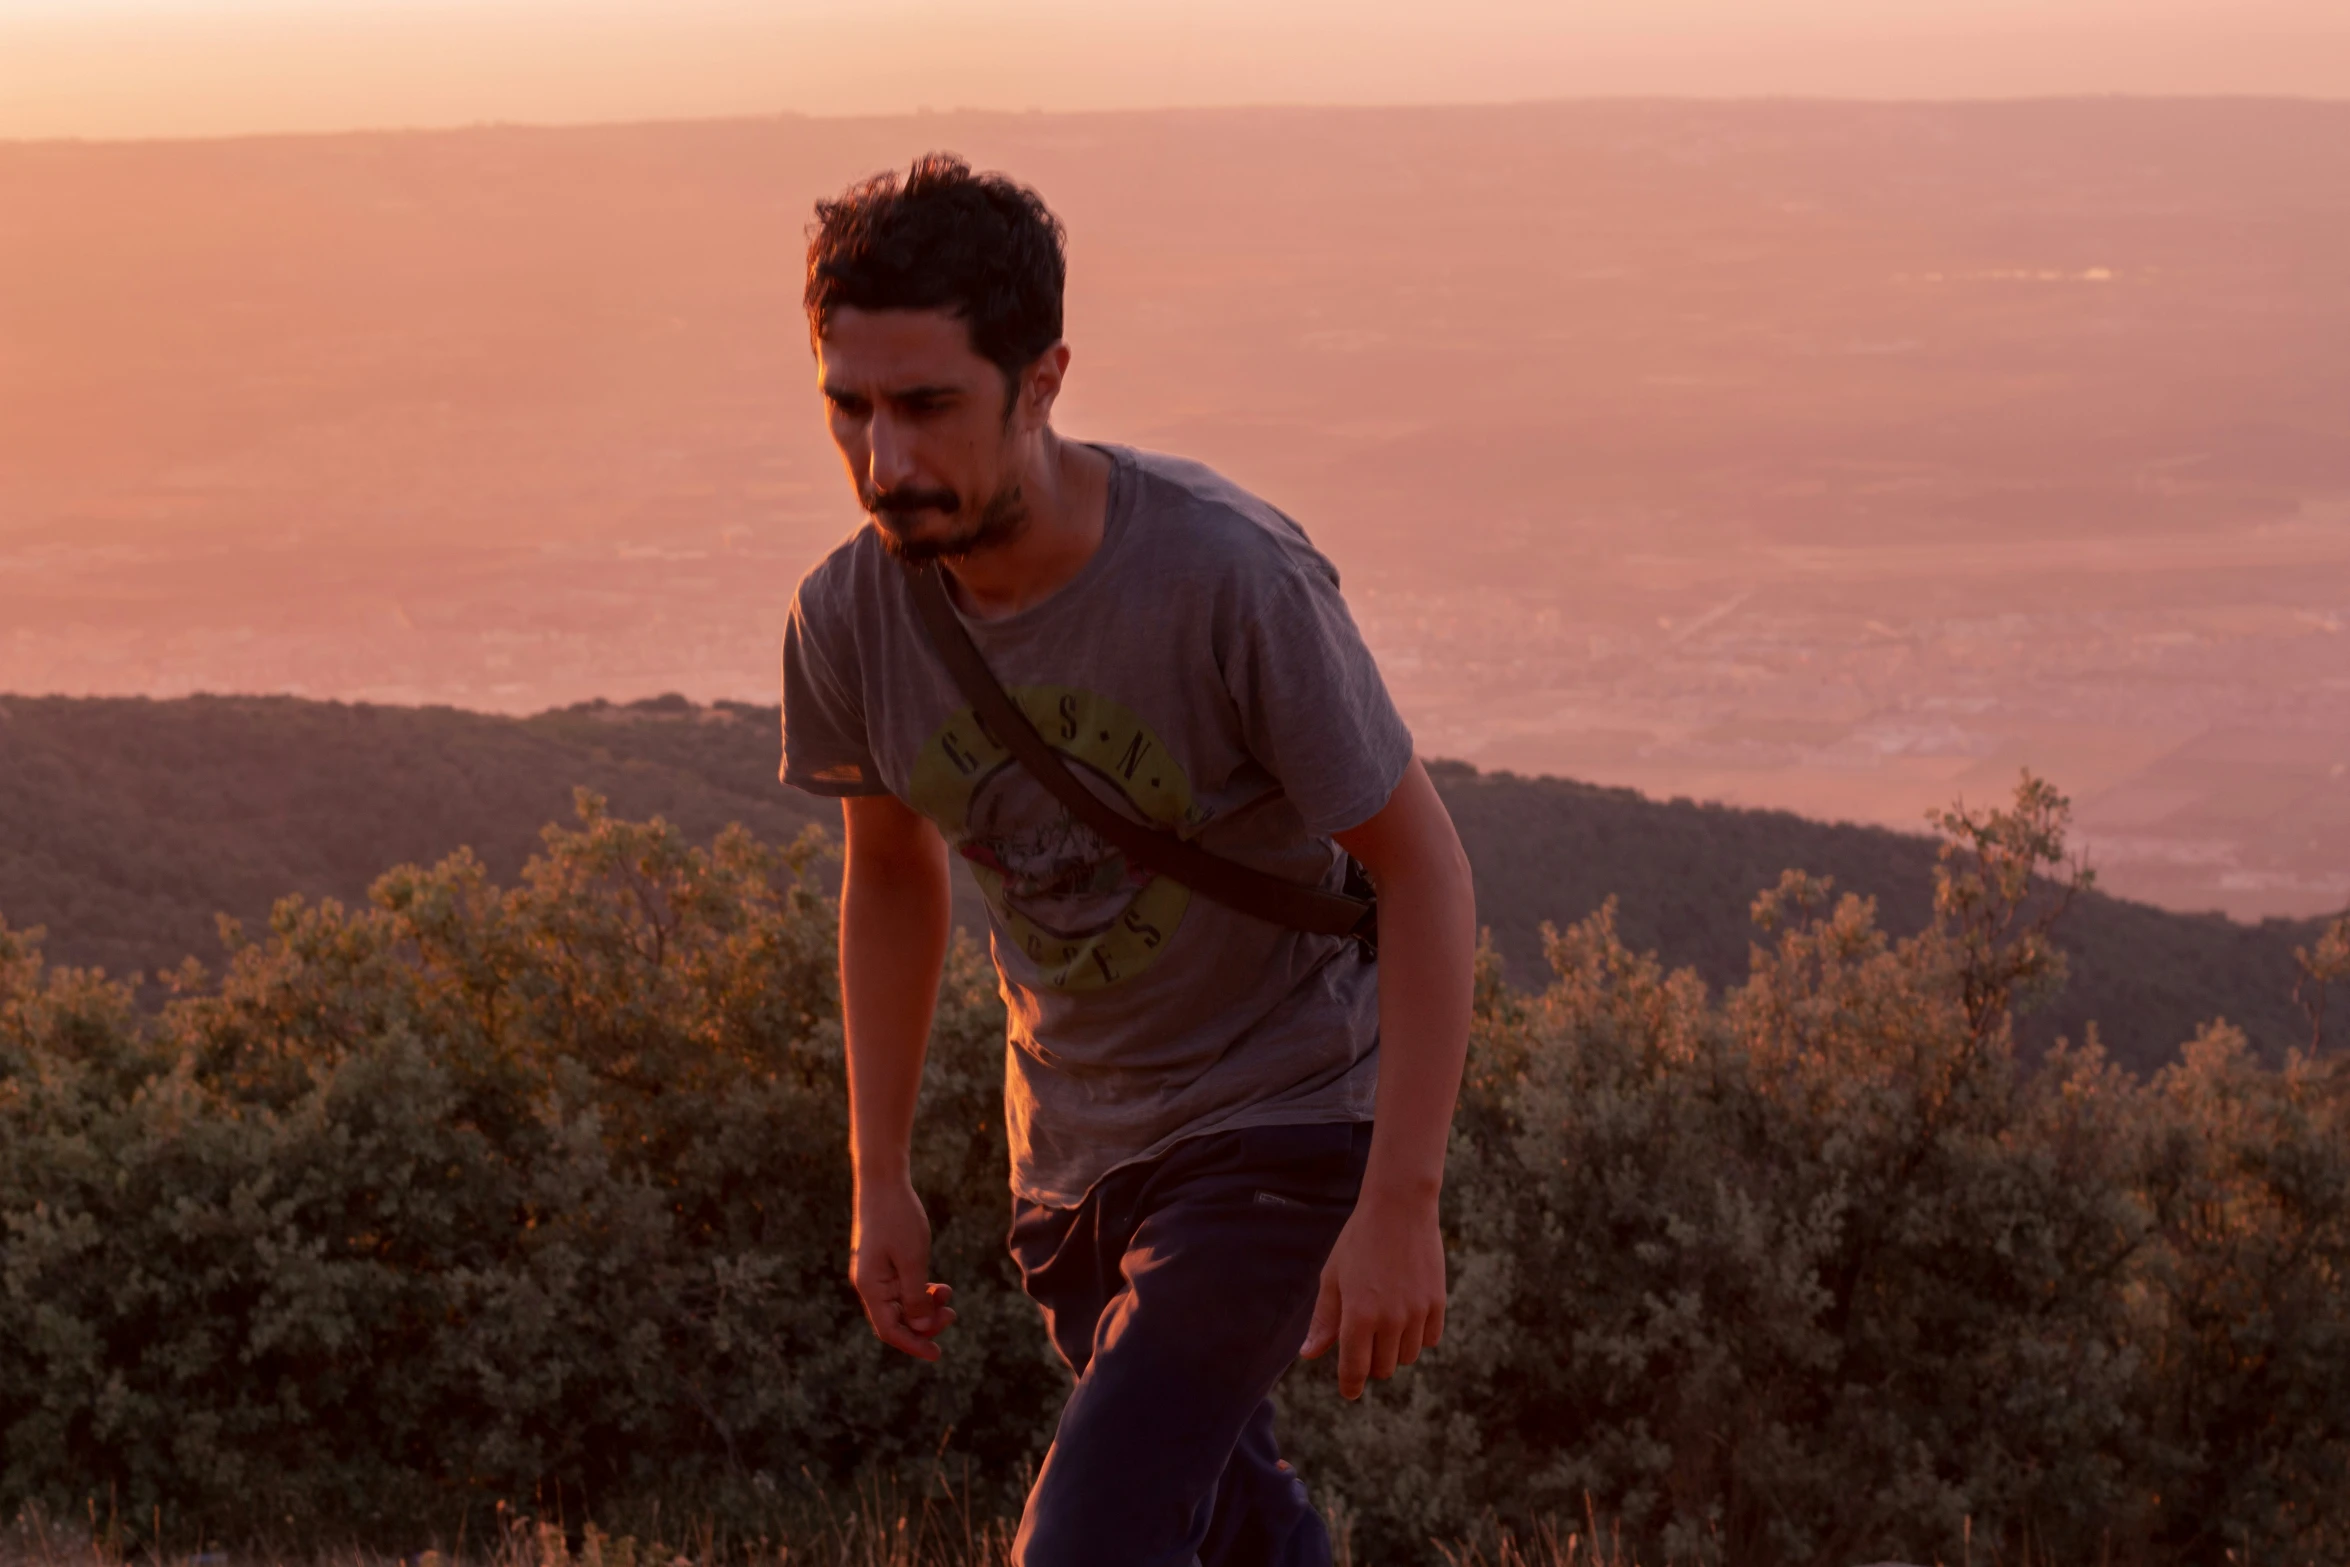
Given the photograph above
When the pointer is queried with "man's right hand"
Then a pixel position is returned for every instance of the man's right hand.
(893, 940)
(889, 1260)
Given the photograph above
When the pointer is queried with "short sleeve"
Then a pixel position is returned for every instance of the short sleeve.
(826, 749)
(1313, 708)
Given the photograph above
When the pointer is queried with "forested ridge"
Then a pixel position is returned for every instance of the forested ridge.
(128, 825)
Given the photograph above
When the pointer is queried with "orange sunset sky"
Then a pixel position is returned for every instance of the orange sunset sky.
(147, 68)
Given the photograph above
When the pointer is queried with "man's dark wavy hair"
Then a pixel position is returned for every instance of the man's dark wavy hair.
(982, 246)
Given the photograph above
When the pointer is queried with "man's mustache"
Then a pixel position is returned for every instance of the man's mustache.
(907, 503)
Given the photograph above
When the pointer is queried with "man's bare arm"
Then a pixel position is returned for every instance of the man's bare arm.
(893, 939)
(1382, 1296)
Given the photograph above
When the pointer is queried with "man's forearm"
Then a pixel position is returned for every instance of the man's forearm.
(1382, 1293)
(1427, 980)
(893, 938)
(1427, 962)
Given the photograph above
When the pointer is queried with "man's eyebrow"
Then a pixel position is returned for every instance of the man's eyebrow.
(895, 394)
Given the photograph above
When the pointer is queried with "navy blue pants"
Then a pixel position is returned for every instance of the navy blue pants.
(1178, 1292)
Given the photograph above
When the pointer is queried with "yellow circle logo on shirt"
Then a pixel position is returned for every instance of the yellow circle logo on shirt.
(1082, 914)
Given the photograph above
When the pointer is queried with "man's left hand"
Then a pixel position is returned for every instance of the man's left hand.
(1382, 1298)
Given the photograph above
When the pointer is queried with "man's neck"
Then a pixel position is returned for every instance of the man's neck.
(1066, 489)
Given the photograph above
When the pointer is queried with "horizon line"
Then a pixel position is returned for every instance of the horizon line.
(1244, 106)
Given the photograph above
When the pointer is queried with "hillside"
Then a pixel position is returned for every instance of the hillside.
(126, 825)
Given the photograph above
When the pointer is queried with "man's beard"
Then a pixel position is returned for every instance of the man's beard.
(1000, 521)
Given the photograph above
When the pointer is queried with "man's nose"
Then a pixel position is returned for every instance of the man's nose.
(891, 455)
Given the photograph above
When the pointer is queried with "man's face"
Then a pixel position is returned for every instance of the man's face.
(922, 421)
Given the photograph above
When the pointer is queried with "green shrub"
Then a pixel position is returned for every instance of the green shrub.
(539, 1195)
(479, 1194)
(1818, 1270)
(2245, 1305)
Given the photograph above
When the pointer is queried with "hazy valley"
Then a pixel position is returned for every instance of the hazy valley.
(1834, 458)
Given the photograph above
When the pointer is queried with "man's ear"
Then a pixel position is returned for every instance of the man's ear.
(1040, 385)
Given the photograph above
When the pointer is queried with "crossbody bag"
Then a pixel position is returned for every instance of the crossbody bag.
(1353, 913)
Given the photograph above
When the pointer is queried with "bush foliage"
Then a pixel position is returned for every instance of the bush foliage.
(1820, 1270)
(126, 823)
(539, 1195)
(477, 1194)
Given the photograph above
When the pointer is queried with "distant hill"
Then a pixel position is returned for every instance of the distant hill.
(126, 825)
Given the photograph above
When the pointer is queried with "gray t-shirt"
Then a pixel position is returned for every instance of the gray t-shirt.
(1201, 673)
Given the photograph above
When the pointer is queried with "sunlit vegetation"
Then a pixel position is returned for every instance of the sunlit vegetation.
(127, 826)
(478, 1202)
(876, 1526)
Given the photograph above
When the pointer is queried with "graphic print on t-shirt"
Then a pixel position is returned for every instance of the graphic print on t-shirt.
(1084, 916)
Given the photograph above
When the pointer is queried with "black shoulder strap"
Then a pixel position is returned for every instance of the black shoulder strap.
(1230, 883)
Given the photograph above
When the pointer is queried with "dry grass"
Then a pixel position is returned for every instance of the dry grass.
(871, 1530)
(1550, 1545)
(875, 1528)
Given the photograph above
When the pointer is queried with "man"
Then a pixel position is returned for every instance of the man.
(1199, 1195)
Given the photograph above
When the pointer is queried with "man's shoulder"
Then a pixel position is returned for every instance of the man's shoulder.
(846, 578)
(1220, 521)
